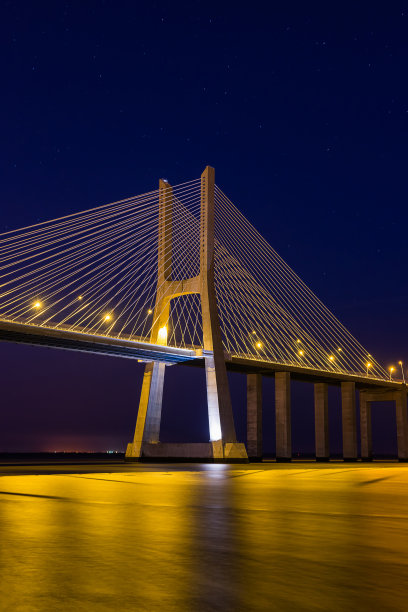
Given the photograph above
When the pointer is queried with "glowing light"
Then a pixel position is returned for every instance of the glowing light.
(339, 349)
(298, 341)
(214, 425)
(37, 305)
(391, 369)
(331, 357)
(149, 311)
(301, 353)
(254, 332)
(107, 317)
(162, 335)
(79, 297)
(402, 372)
(368, 366)
(259, 345)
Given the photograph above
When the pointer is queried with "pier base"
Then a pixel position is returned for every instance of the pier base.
(213, 452)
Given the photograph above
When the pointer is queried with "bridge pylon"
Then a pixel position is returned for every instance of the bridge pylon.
(223, 445)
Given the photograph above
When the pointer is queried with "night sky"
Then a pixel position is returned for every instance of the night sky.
(301, 107)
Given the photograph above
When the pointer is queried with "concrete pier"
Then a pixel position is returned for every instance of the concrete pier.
(348, 409)
(283, 417)
(365, 428)
(254, 417)
(321, 422)
(154, 408)
(402, 424)
(150, 409)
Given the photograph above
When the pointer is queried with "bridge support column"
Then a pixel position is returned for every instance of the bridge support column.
(221, 419)
(402, 424)
(348, 409)
(254, 417)
(365, 428)
(150, 408)
(321, 422)
(283, 417)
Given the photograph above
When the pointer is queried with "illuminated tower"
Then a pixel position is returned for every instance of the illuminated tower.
(223, 445)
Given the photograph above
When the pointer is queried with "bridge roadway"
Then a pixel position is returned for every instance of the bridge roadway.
(64, 338)
(142, 350)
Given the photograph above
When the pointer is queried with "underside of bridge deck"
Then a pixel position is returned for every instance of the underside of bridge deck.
(89, 343)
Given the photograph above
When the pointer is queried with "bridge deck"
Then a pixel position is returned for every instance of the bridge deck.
(143, 350)
(99, 344)
(267, 368)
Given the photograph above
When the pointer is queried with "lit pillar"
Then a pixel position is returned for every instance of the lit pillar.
(365, 428)
(402, 424)
(154, 408)
(161, 312)
(254, 416)
(321, 422)
(221, 420)
(150, 404)
(348, 409)
(283, 417)
(150, 407)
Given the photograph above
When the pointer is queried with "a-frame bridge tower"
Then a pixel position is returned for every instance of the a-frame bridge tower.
(223, 445)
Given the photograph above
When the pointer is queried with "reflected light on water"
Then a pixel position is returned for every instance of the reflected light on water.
(224, 537)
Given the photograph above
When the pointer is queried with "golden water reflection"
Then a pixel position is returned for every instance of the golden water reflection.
(225, 538)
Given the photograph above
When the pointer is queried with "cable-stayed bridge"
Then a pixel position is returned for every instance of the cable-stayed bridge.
(179, 275)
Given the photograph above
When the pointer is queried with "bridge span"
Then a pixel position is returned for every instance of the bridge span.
(370, 389)
(143, 350)
(178, 276)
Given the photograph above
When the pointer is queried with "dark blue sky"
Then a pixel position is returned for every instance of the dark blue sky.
(302, 108)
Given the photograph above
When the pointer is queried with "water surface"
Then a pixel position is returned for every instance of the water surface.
(185, 538)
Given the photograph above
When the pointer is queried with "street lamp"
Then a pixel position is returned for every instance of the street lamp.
(402, 371)
(391, 371)
(369, 365)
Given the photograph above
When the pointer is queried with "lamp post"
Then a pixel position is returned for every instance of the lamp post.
(402, 371)
(368, 365)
